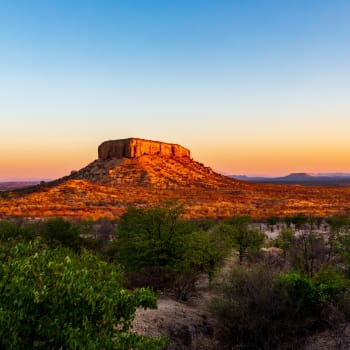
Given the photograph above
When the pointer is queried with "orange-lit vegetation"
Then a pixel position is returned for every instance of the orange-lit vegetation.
(105, 188)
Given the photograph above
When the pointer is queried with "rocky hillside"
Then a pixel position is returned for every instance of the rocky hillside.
(154, 171)
(149, 164)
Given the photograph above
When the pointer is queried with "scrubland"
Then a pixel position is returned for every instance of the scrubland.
(220, 284)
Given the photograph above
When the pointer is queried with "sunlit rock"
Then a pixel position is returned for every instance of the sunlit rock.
(134, 148)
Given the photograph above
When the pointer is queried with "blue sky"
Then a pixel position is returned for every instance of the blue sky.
(254, 87)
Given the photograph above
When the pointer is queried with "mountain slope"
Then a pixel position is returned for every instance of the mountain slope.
(152, 171)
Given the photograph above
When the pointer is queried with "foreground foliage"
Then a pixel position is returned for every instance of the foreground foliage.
(56, 294)
(52, 298)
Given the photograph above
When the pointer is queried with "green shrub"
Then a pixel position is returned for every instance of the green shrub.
(10, 230)
(331, 284)
(55, 299)
(60, 231)
(242, 237)
(157, 239)
(296, 297)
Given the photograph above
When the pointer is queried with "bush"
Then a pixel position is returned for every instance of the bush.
(60, 231)
(152, 237)
(331, 284)
(242, 307)
(9, 230)
(256, 310)
(243, 238)
(157, 239)
(308, 253)
(55, 299)
(296, 298)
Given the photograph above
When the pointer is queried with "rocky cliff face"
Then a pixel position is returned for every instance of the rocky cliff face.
(134, 148)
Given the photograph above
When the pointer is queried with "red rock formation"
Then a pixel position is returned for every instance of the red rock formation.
(134, 148)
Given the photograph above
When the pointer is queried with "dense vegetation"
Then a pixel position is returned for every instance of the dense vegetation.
(76, 284)
(299, 286)
(55, 298)
(160, 249)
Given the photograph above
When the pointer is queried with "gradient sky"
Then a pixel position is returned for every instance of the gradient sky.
(251, 87)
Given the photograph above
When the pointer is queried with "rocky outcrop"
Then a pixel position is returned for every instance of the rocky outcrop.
(134, 148)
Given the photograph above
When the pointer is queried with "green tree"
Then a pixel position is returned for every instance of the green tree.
(338, 223)
(149, 237)
(288, 221)
(296, 295)
(271, 222)
(243, 238)
(339, 237)
(339, 247)
(9, 230)
(308, 253)
(55, 299)
(285, 240)
(212, 248)
(299, 221)
(331, 284)
(162, 250)
(60, 231)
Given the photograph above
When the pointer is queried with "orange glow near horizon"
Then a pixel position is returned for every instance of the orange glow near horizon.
(279, 161)
(268, 161)
(43, 164)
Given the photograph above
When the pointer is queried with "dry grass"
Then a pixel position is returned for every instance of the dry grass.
(107, 188)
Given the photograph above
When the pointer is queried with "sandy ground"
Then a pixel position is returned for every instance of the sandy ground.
(187, 325)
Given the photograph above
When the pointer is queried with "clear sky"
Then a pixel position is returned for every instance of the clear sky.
(251, 87)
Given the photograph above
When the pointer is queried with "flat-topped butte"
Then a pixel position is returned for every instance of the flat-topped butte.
(134, 148)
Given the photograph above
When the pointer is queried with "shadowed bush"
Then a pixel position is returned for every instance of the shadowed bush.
(256, 309)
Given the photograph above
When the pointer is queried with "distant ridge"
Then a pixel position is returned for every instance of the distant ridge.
(297, 177)
(11, 185)
(328, 179)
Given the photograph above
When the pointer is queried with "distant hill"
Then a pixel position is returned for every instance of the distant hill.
(297, 177)
(329, 179)
(11, 185)
(136, 172)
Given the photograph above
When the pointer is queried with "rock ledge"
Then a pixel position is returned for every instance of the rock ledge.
(134, 148)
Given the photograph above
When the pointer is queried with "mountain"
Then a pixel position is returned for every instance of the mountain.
(329, 179)
(334, 174)
(149, 164)
(297, 177)
(137, 172)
